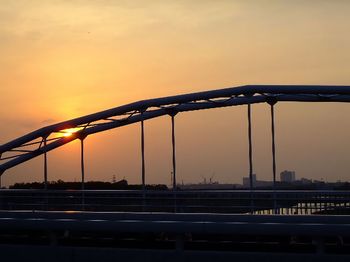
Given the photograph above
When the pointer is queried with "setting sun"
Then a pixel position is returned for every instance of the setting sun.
(70, 131)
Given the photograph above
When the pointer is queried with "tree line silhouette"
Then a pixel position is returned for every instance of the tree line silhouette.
(92, 185)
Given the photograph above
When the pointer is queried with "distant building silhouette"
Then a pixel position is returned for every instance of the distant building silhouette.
(305, 181)
(256, 183)
(287, 176)
(246, 181)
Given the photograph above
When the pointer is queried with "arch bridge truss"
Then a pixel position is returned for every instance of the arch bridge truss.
(48, 138)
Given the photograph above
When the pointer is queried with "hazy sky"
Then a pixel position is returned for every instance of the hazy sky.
(63, 59)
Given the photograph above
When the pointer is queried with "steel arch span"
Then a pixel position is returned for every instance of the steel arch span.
(51, 137)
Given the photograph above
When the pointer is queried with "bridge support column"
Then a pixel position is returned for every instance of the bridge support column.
(143, 169)
(45, 165)
(82, 173)
(173, 148)
(250, 151)
(172, 114)
(273, 146)
(45, 175)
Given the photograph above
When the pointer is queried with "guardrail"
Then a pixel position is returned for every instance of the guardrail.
(180, 201)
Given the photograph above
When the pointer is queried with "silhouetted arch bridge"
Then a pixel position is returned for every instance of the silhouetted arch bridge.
(227, 227)
(54, 136)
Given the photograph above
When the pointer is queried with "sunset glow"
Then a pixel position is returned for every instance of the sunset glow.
(65, 59)
(70, 131)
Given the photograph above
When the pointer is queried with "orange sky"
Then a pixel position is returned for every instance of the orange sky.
(63, 59)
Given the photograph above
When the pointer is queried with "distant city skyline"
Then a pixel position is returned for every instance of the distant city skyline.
(62, 60)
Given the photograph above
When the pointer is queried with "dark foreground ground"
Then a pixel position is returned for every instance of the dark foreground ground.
(27, 253)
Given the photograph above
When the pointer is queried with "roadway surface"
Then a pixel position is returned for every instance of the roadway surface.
(77, 236)
(315, 225)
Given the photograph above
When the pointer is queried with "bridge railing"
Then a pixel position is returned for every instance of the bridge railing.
(180, 201)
